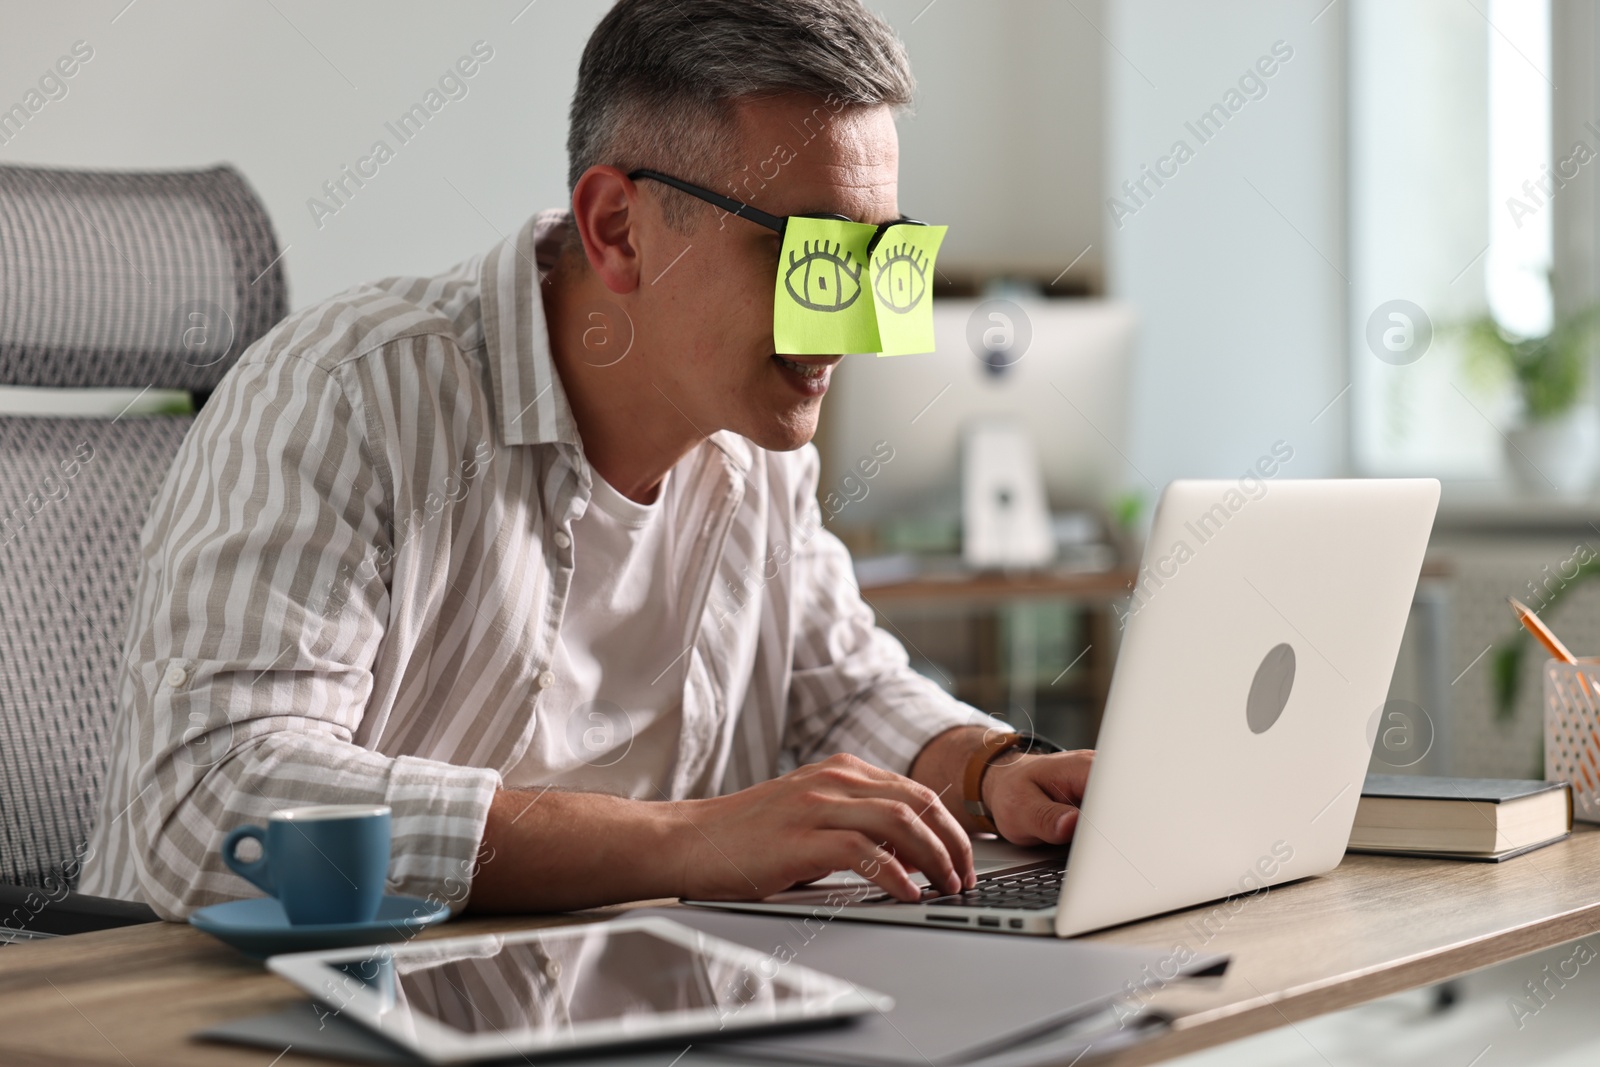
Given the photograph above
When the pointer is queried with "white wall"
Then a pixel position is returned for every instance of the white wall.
(1007, 140)
(1235, 264)
(1004, 146)
(1025, 110)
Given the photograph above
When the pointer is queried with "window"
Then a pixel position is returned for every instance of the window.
(1449, 213)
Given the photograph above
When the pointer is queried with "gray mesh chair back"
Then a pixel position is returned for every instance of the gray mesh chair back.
(132, 279)
(106, 279)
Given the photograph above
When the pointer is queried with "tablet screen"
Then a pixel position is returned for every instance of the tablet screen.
(558, 982)
(574, 986)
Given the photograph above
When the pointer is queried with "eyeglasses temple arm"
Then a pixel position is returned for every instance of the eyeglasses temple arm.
(726, 203)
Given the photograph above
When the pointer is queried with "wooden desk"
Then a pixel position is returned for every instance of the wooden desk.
(1376, 925)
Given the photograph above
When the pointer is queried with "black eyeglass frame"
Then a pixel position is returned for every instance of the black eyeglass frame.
(777, 223)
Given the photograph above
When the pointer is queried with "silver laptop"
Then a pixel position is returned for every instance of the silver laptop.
(1256, 657)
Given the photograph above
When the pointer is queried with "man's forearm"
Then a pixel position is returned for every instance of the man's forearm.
(555, 851)
(942, 764)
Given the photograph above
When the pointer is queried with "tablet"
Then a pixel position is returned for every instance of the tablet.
(583, 986)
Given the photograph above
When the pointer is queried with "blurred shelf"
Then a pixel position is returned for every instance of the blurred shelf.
(1491, 507)
(989, 588)
(951, 619)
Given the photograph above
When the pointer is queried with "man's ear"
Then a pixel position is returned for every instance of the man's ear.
(606, 211)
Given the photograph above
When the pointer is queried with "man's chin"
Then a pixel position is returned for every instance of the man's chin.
(784, 431)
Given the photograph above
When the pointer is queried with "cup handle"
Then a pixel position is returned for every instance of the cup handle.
(256, 872)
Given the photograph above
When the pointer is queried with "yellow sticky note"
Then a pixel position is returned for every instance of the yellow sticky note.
(902, 287)
(823, 304)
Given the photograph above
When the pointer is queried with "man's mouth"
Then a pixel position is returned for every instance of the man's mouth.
(811, 371)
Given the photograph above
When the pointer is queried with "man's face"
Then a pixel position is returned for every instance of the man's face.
(712, 308)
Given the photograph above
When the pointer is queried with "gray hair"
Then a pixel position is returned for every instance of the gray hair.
(659, 78)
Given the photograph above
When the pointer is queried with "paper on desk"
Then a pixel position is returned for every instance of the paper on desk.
(1031, 988)
(312, 1031)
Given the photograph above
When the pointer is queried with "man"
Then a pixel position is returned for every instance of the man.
(530, 551)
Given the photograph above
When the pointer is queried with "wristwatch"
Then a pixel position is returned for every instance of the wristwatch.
(995, 744)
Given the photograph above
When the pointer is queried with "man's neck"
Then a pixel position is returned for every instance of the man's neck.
(634, 430)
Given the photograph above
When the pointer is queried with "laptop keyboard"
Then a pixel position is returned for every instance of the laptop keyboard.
(1031, 888)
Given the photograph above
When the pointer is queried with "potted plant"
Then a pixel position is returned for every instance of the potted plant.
(1553, 449)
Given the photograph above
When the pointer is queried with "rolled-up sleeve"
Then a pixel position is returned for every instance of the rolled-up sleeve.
(852, 688)
(251, 655)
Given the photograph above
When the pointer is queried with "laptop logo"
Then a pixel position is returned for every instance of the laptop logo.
(1269, 693)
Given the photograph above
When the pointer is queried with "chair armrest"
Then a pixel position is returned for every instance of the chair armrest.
(28, 909)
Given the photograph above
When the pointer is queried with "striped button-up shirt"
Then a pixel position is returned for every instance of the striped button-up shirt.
(352, 582)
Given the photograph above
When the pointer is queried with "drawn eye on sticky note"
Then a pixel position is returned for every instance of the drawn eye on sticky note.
(823, 304)
(900, 278)
(902, 284)
(824, 278)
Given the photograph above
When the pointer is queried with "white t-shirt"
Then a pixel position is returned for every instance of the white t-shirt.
(612, 721)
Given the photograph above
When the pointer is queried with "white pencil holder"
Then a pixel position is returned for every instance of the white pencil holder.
(1572, 732)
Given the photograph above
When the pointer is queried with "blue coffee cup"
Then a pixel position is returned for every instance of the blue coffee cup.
(327, 863)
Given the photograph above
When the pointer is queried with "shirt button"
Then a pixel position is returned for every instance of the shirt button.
(546, 680)
(177, 676)
(562, 540)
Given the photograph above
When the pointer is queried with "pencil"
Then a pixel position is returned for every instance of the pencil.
(1538, 629)
(1553, 645)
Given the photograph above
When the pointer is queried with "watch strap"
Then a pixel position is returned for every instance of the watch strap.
(995, 744)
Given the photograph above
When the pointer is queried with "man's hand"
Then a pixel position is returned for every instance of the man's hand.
(841, 813)
(1034, 799)
(549, 850)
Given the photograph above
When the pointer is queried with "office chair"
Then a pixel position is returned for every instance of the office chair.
(122, 280)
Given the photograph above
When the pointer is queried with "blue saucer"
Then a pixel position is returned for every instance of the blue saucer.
(258, 927)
